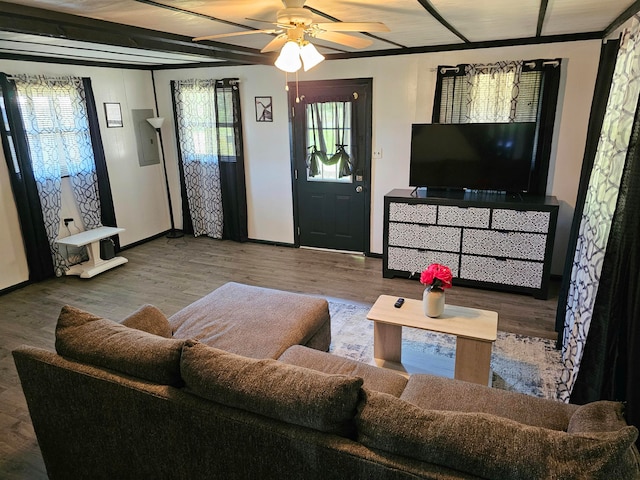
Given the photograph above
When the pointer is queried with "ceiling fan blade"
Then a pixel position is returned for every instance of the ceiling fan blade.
(275, 44)
(233, 34)
(344, 39)
(353, 27)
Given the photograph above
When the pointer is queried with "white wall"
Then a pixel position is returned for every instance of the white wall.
(138, 192)
(403, 88)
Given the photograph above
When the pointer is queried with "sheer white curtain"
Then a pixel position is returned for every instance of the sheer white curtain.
(493, 92)
(195, 104)
(54, 115)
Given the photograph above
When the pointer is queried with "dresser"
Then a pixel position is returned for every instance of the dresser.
(492, 240)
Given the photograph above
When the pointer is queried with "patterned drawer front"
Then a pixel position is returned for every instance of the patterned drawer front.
(414, 261)
(520, 221)
(463, 217)
(505, 272)
(418, 213)
(530, 246)
(425, 236)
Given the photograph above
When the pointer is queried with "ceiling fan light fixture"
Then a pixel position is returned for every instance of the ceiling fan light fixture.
(289, 58)
(310, 56)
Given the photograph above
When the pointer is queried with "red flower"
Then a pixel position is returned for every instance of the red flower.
(436, 275)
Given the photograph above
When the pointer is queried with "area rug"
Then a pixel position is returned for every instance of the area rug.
(519, 363)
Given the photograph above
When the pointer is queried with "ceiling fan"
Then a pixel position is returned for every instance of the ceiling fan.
(294, 22)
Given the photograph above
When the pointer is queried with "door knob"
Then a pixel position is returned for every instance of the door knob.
(359, 189)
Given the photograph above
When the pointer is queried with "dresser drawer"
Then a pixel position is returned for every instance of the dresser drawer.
(520, 221)
(414, 261)
(464, 217)
(416, 213)
(504, 272)
(430, 237)
(529, 246)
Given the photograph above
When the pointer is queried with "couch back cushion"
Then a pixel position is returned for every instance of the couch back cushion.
(493, 447)
(98, 341)
(271, 388)
(149, 319)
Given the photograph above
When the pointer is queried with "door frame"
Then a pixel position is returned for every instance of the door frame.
(364, 130)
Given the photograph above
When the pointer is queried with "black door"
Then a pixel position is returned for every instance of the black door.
(332, 189)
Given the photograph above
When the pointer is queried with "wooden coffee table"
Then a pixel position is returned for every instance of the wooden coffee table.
(475, 332)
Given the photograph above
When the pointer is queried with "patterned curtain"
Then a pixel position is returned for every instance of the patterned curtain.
(195, 109)
(599, 207)
(503, 79)
(503, 92)
(54, 115)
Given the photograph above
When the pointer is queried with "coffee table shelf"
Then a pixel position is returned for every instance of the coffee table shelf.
(475, 332)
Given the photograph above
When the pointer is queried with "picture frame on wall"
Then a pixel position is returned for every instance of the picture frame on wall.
(113, 113)
(264, 109)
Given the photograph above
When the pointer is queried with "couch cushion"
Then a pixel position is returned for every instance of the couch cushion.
(149, 319)
(253, 321)
(88, 338)
(602, 416)
(437, 393)
(271, 388)
(374, 378)
(492, 447)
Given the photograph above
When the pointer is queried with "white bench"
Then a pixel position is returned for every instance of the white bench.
(91, 238)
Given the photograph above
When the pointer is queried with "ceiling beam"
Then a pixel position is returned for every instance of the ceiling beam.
(434, 13)
(37, 21)
(541, 14)
(623, 17)
(574, 37)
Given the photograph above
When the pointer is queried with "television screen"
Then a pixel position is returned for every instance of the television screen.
(476, 156)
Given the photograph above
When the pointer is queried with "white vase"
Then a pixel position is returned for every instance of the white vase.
(433, 302)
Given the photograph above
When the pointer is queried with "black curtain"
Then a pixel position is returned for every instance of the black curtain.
(107, 211)
(23, 185)
(187, 223)
(609, 368)
(606, 67)
(232, 181)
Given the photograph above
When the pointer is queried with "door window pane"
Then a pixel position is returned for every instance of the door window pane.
(328, 133)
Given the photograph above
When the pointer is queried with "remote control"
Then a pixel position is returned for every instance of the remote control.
(399, 303)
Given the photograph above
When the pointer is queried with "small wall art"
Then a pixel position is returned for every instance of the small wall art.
(264, 109)
(114, 115)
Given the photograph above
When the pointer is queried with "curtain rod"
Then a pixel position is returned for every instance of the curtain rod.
(554, 63)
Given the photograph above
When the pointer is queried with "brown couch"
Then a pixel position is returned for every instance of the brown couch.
(144, 400)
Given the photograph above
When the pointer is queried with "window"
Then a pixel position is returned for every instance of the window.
(328, 128)
(505, 92)
(55, 122)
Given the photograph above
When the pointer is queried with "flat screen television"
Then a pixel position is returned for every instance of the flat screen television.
(475, 156)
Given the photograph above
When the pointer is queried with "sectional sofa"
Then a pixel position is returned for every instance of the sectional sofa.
(239, 385)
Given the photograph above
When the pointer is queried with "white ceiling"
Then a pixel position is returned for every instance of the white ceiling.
(153, 34)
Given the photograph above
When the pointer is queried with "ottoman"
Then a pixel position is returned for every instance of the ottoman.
(254, 321)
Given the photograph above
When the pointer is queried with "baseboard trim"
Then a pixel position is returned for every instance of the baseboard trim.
(17, 286)
(144, 240)
(269, 242)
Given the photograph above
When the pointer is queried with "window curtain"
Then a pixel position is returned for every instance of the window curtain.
(49, 129)
(23, 185)
(211, 157)
(231, 151)
(602, 309)
(504, 92)
(198, 146)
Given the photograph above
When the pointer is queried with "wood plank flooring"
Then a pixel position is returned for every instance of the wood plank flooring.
(173, 273)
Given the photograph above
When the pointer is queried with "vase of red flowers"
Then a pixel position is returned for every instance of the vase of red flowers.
(436, 277)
